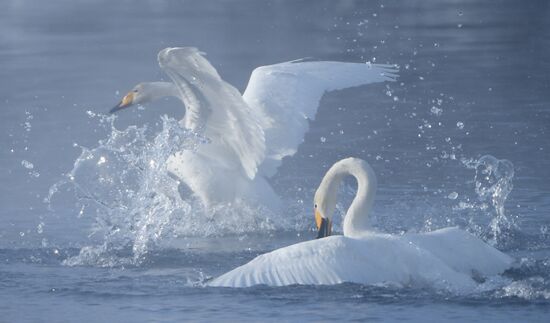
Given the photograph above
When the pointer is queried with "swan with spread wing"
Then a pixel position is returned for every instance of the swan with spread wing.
(248, 134)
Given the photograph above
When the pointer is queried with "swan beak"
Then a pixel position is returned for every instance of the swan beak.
(324, 226)
(126, 101)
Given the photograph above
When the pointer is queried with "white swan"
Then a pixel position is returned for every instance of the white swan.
(444, 259)
(250, 134)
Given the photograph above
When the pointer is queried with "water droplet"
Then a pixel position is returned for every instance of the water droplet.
(460, 125)
(40, 228)
(27, 164)
(436, 111)
(101, 160)
(323, 139)
(452, 195)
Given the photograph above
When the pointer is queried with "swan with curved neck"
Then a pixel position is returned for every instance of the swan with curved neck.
(249, 134)
(443, 259)
(356, 219)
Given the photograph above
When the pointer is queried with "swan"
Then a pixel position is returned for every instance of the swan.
(449, 258)
(249, 134)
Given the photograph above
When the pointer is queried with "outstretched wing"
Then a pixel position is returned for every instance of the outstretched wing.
(289, 94)
(215, 108)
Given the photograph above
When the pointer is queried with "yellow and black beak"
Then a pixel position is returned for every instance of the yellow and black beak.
(324, 226)
(126, 101)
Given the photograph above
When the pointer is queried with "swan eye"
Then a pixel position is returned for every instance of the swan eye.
(135, 91)
(315, 206)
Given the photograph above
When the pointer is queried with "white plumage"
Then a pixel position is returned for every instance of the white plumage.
(447, 259)
(248, 135)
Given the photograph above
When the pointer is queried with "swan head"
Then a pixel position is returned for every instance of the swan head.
(327, 194)
(141, 93)
(324, 225)
(146, 92)
(325, 206)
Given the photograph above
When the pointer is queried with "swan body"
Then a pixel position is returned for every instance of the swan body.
(447, 259)
(248, 134)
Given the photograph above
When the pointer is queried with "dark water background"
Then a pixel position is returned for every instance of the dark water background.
(474, 81)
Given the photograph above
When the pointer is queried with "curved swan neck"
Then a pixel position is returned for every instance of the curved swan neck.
(356, 219)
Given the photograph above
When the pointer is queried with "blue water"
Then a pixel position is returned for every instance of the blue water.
(474, 81)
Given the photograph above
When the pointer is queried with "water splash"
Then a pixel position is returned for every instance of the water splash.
(493, 183)
(531, 288)
(135, 203)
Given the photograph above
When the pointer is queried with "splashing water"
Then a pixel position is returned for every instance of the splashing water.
(135, 203)
(493, 184)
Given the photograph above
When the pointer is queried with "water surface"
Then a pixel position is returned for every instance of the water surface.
(474, 82)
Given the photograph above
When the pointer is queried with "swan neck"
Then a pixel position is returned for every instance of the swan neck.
(356, 221)
(163, 89)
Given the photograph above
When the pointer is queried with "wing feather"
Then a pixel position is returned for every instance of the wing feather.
(215, 108)
(417, 259)
(286, 95)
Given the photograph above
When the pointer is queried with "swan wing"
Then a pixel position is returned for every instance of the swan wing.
(286, 95)
(463, 251)
(377, 259)
(216, 109)
(308, 263)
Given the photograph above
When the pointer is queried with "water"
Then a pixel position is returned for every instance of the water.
(93, 230)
